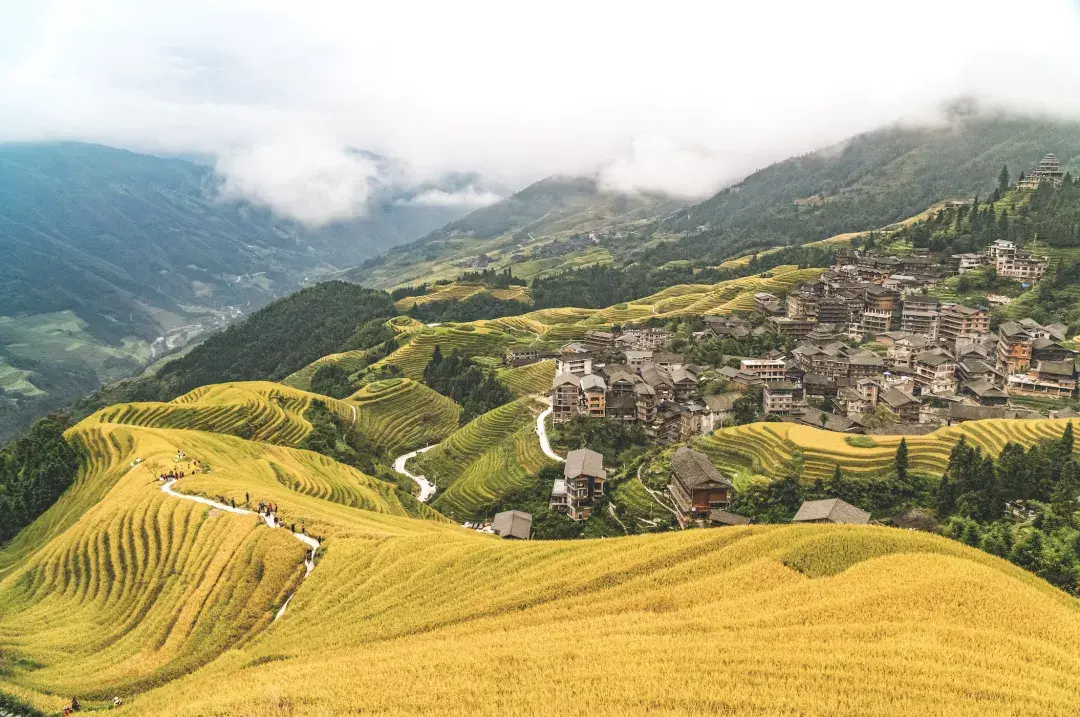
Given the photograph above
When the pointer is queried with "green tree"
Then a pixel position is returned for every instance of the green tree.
(744, 410)
(1003, 179)
(1066, 491)
(1028, 550)
(1065, 445)
(901, 460)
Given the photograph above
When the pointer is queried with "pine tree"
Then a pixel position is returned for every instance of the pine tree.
(1065, 445)
(1066, 491)
(1003, 179)
(991, 504)
(836, 486)
(901, 461)
(1012, 472)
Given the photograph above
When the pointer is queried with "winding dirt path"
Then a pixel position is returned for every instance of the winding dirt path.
(309, 561)
(541, 432)
(655, 497)
(427, 488)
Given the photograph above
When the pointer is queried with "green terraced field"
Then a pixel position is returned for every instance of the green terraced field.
(495, 453)
(415, 355)
(526, 380)
(399, 415)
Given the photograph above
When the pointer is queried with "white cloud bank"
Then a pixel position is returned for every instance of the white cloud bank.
(679, 97)
(471, 198)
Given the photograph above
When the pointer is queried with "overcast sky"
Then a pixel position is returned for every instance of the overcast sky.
(673, 96)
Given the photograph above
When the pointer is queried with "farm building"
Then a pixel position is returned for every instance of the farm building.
(830, 510)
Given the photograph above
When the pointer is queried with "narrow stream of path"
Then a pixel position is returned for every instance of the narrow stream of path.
(427, 488)
(309, 561)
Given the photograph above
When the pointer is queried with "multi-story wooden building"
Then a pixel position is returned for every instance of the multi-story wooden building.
(593, 390)
(960, 323)
(697, 486)
(935, 372)
(781, 398)
(765, 369)
(585, 478)
(565, 401)
(1048, 378)
(1013, 352)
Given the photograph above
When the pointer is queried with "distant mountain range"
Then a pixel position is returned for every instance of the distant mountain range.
(102, 251)
(867, 181)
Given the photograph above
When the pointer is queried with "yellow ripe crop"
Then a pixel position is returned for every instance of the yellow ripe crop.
(258, 410)
(403, 413)
(769, 447)
(528, 380)
(121, 589)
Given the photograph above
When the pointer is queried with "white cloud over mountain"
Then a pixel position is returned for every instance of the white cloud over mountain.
(681, 97)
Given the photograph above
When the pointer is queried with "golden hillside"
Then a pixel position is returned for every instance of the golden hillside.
(122, 589)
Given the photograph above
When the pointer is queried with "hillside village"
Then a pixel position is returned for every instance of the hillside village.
(869, 350)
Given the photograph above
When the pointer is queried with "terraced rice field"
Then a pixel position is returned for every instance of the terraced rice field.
(414, 356)
(513, 293)
(491, 455)
(473, 339)
(723, 297)
(527, 380)
(452, 292)
(768, 447)
(401, 414)
(809, 620)
(120, 589)
(620, 313)
(257, 410)
(352, 361)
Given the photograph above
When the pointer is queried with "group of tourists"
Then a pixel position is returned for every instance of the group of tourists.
(76, 707)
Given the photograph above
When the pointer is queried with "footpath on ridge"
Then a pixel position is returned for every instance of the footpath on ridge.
(309, 561)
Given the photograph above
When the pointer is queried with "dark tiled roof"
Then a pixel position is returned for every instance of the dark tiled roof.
(1057, 368)
(723, 517)
(694, 469)
(584, 462)
(832, 509)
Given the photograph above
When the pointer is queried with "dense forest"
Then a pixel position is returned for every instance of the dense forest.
(604, 285)
(34, 471)
(457, 377)
(478, 306)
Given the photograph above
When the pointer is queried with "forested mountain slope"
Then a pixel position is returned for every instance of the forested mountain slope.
(522, 224)
(102, 251)
(868, 181)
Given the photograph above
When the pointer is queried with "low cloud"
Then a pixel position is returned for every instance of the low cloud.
(304, 179)
(471, 198)
(682, 99)
(656, 165)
